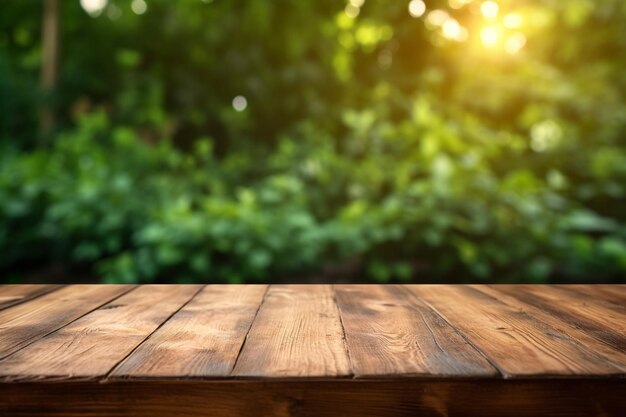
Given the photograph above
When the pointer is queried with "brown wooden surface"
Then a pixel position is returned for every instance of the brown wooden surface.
(589, 307)
(518, 343)
(24, 323)
(15, 294)
(297, 333)
(315, 398)
(389, 331)
(591, 336)
(312, 350)
(91, 346)
(201, 340)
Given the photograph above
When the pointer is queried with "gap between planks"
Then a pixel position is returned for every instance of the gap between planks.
(201, 341)
(29, 295)
(245, 339)
(501, 373)
(521, 343)
(55, 329)
(391, 332)
(345, 335)
(106, 376)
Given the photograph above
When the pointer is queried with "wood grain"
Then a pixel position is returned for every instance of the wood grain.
(240, 351)
(314, 398)
(601, 319)
(24, 323)
(16, 294)
(589, 336)
(515, 341)
(297, 333)
(615, 294)
(591, 305)
(390, 331)
(91, 346)
(202, 340)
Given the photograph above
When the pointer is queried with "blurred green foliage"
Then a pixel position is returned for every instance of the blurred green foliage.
(379, 147)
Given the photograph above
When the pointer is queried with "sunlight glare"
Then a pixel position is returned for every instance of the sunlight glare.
(489, 9)
(417, 8)
(490, 36)
(513, 20)
(453, 30)
(93, 7)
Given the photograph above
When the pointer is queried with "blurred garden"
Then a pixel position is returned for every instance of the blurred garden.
(312, 140)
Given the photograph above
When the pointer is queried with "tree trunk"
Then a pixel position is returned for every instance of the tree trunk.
(49, 65)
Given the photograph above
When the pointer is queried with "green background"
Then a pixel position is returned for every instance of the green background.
(372, 148)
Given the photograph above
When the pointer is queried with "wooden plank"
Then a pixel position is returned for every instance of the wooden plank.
(16, 294)
(389, 331)
(297, 333)
(601, 319)
(612, 297)
(516, 342)
(315, 398)
(91, 346)
(202, 340)
(592, 337)
(24, 323)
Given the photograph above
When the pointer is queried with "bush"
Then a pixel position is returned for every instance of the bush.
(421, 201)
(374, 146)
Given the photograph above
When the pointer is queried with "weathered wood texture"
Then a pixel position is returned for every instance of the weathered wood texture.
(92, 345)
(15, 294)
(297, 333)
(389, 331)
(201, 340)
(24, 323)
(312, 350)
(595, 337)
(518, 343)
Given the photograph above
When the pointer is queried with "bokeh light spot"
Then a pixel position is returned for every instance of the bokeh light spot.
(139, 6)
(453, 30)
(489, 9)
(513, 20)
(457, 4)
(114, 12)
(93, 7)
(352, 11)
(545, 135)
(490, 36)
(437, 18)
(240, 103)
(515, 43)
(417, 8)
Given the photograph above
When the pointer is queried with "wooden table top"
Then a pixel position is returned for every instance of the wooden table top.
(216, 332)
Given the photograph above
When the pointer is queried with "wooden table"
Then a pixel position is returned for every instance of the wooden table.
(312, 350)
